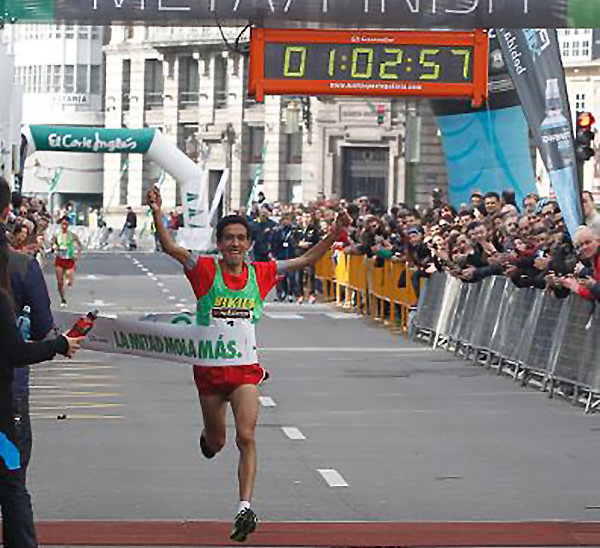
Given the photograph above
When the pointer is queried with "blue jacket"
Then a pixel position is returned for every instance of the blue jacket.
(29, 289)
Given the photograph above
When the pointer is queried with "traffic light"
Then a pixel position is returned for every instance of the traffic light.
(584, 136)
(380, 115)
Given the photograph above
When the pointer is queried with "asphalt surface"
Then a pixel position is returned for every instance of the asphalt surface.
(357, 425)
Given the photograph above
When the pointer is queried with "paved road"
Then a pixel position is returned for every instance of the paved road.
(357, 425)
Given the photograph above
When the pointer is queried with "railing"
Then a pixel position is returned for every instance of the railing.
(531, 335)
(382, 291)
(189, 98)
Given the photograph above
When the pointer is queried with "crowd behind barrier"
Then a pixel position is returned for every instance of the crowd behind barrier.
(529, 334)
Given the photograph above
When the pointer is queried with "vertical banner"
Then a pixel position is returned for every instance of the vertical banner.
(487, 148)
(534, 62)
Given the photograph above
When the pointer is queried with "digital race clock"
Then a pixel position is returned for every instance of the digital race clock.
(384, 63)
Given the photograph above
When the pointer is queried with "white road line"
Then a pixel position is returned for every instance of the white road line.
(293, 433)
(284, 316)
(342, 316)
(266, 401)
(358, 350)
(165, 290)
(172, 298)
(333, 477)
(160, 284)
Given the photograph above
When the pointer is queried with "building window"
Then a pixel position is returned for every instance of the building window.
(126, 84)
(575, 48)
(585, 48)
(153, 83)
(220, 82)
(95, 33)
(290, 192)
(293, 148)
(82, 78)
(95, 80)
(580, 103)
(257, 143)
(55, 78)
(69, 81)
(69, 32)
(189, 81)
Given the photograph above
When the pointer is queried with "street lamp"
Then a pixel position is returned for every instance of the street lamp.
(228, 138)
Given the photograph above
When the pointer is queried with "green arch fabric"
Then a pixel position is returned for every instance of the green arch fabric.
(90, 139)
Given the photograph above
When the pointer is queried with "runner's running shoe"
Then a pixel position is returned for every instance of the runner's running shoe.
(243, 525)
(206, 450)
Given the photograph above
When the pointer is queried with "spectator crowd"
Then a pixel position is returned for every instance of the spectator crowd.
(492, 236)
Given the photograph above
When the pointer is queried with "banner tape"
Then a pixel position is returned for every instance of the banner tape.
(229, 344)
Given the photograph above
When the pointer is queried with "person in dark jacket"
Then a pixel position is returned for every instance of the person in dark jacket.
(28, 289)
(284, 246)
(262, 235)
(18, 528)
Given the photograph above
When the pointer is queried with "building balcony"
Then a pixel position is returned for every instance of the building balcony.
(154, 100)
(189, 99)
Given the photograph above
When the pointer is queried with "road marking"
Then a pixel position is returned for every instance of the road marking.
(342, 316)
(164, 290)
(41, 416)
(266, 401)
(160, 284)
(99, 302)
(172, 298)
(72, 368)
(358, 349)
(63, 387)
(72, 394)
(90, 277)
(81, 405)
(284, 316)
(333, 477)
(293, 433)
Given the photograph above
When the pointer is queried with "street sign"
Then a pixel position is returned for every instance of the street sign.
(424, 14)
(369, 63)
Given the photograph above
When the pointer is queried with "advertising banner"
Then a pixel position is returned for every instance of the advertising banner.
(89, 139)
(459, 14)
(173, 342)
(486, 149)
(534, 62)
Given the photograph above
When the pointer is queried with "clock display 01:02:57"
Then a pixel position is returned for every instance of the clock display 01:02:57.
(430, 63)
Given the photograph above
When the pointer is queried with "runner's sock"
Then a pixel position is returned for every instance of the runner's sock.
(244, 505)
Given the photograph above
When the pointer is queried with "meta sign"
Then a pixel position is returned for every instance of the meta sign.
(386, 63)
(425, 14)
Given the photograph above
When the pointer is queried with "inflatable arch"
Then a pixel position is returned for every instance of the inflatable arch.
(191, 177)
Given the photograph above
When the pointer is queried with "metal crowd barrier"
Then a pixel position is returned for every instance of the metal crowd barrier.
(529, 334)
(362, 285)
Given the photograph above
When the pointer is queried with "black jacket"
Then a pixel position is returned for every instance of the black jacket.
(15, 352)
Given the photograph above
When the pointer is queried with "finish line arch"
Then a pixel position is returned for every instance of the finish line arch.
(150, 142)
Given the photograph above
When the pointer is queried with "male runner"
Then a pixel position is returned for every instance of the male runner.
(63, 244)
(231, 291)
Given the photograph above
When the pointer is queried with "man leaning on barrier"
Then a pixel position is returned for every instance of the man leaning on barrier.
(587, 283)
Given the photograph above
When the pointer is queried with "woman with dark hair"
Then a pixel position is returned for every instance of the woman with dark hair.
(18, 529)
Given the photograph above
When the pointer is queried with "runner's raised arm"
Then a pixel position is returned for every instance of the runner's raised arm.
(168, 245)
